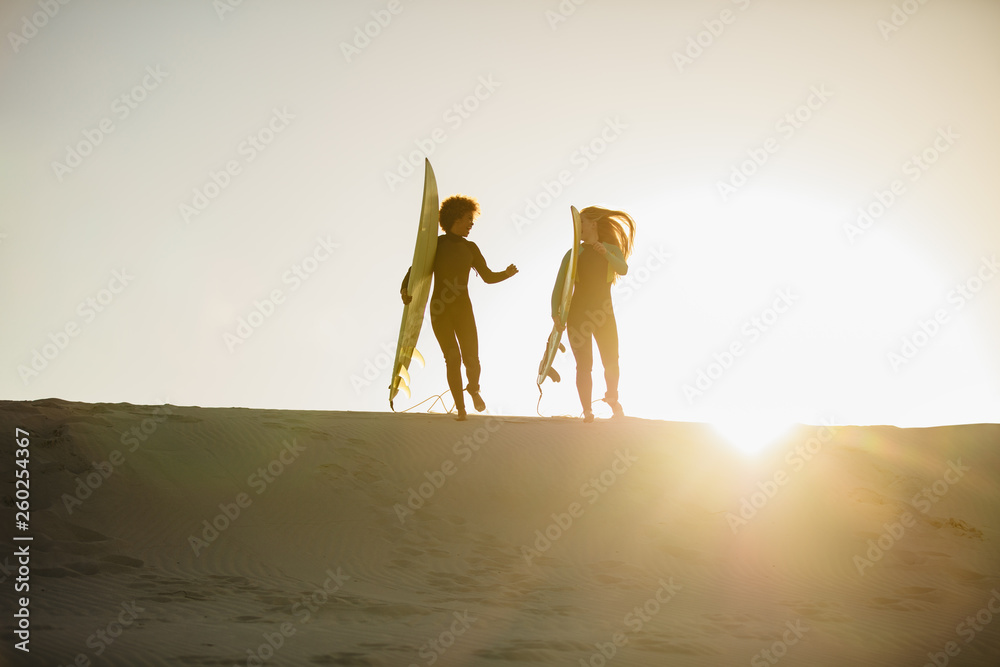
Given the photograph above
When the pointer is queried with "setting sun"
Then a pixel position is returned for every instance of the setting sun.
(751, 435)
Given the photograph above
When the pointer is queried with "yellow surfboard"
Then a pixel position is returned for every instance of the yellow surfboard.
(419, 287)
(555, 337)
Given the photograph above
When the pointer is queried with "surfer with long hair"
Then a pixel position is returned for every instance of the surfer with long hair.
(452, 318)
(606, 244)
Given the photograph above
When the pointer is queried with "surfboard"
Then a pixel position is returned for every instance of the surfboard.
(419, 286)
(555, 337)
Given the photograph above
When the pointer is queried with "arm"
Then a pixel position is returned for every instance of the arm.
(489, 277)
(558, 287)
(615, 259)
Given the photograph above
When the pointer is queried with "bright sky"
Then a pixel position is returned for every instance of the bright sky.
(183, 165)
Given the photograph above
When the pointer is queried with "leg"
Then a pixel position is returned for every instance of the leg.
(444, 331)
(580, 333)
(468, 340)
(606, 336)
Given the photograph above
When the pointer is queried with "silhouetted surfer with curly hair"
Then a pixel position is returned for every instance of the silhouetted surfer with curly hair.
(606, 240)
(452, 318)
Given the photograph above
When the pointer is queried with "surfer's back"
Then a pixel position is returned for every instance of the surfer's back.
(454, 258)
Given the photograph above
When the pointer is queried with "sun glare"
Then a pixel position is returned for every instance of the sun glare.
(751, 435)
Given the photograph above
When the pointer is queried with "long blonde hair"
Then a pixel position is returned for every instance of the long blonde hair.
(616, 227)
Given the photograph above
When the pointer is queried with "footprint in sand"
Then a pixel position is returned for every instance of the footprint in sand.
(110, 564)
(339, 475)
(866, 496)
(921, 592)
(915, 598)
(366, 477)
(332, 471)
(123, 560)
(356, 466)
(299, 428)
(958, 527)
(910, 598)
(966, 576)
(897, 604)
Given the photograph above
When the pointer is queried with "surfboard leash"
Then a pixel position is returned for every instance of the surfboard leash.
(436, 398)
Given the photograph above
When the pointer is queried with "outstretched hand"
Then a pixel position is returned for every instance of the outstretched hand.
(511, 270)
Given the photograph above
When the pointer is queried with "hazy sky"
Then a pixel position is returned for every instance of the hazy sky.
(171, 168)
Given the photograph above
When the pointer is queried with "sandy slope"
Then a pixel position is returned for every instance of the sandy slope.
(536, 541)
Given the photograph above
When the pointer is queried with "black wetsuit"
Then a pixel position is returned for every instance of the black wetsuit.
(451, 309)
(592, 315)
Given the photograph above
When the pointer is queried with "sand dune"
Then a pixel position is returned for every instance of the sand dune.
(187, 536)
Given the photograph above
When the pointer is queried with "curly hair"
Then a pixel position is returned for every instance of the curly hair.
(454, 208)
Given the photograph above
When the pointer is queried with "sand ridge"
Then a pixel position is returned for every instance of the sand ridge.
(276, 537)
